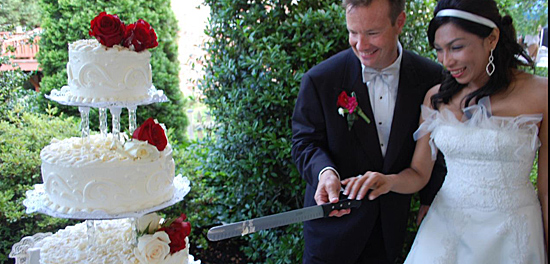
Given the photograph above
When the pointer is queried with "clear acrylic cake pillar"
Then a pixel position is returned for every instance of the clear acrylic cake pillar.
(84, 121)
(115, 113)
(132, 120)
(103, 125)
(91, 232)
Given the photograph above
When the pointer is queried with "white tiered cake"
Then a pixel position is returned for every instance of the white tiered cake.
(113, 177)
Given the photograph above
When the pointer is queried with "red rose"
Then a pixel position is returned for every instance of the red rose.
(107, 29)
(140, 35)
(177, 231)
(350, 103)
(153, 133)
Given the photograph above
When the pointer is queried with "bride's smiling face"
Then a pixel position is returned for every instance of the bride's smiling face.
(464, 54)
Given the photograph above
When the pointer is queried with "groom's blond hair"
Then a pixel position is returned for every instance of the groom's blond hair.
(396, 6)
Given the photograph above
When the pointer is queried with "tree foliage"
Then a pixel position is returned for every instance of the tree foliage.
(23, 13)
(23, 133)
(257, 55)
(528, 15)
(414, 37)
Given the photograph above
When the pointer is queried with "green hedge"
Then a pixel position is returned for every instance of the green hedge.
(23, 133)
(257, 55)
(67, 21)
(22, 136)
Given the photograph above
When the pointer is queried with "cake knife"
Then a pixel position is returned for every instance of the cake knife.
(266, 222)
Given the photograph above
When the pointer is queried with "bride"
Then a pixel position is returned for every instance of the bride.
(489, 119)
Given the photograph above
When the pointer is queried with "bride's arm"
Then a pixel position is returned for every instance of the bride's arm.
(542, 179)
(408, 181)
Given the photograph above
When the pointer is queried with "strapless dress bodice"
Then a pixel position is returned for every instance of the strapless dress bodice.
(489, 158)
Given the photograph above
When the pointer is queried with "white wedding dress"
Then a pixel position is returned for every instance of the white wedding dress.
(487, 211)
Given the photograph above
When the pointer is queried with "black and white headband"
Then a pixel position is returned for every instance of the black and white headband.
(466, 16)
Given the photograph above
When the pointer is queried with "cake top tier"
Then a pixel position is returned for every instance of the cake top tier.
(93, 47)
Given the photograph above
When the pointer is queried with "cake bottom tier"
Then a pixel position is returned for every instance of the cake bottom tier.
(113, 241)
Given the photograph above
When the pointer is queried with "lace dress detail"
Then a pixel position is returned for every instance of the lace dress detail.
(487, 210)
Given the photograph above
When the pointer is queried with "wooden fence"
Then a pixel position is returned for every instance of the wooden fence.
(23, 47)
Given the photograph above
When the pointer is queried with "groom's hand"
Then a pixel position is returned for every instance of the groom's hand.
(328, 191)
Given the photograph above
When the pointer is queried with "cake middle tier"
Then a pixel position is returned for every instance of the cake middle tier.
(99, 173)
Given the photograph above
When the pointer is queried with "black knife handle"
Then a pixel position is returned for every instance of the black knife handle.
(343, 204)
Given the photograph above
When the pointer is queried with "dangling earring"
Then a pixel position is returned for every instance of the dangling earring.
(491, 66)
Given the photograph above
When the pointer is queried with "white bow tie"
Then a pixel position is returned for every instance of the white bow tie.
(385, 75)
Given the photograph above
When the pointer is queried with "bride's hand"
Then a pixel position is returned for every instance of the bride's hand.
(358, 187)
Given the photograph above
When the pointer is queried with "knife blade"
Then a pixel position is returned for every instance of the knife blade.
(282, 219)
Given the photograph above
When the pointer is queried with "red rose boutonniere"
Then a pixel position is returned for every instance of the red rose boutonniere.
(348, 105)
(109, 30)
(152, 132)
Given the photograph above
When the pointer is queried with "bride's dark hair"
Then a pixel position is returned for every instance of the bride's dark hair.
(506, 52)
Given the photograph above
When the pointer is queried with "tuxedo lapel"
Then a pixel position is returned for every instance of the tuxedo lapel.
(404, 114)
(365, 133)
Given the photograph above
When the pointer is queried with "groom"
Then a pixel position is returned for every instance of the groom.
(389, 84)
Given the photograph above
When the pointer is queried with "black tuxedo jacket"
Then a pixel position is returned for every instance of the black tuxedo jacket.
(321, 139)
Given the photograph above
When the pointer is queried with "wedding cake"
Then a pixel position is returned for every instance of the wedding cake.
(115, 177)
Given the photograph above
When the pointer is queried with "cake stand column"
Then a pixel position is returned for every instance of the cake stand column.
(103, 126)
(115, 113)
(135, 230)
(91, 232)
(84, 121)
(132, 120)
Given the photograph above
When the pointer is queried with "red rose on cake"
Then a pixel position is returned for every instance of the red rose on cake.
(178, 230)
(140, 36)
(152, 132)
(107, 29)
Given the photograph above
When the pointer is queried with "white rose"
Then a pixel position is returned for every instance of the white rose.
(141, 150)
(180, 257)
(152, 249)
(151, 221)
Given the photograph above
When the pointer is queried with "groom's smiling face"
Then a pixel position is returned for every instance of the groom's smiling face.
(372, 35)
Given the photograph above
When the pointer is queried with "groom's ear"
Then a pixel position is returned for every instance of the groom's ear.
(400, 21)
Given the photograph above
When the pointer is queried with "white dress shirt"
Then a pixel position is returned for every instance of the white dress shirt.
(382, 87)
